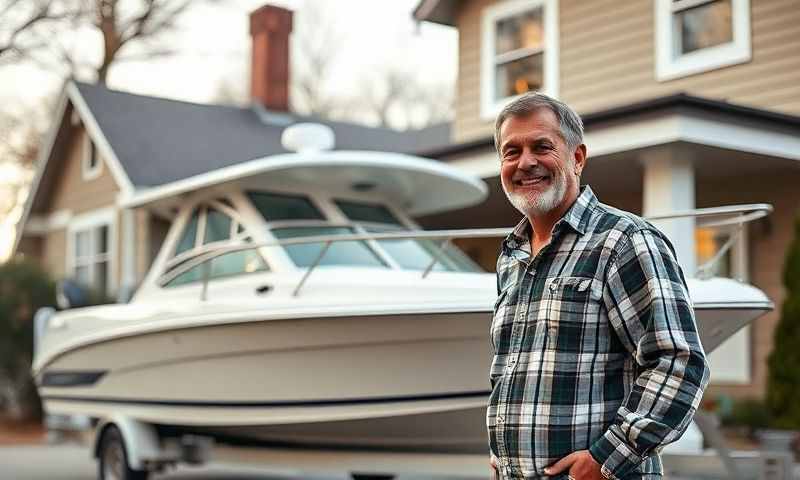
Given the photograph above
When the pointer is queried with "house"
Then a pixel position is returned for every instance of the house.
(107, 149)
(686, 104)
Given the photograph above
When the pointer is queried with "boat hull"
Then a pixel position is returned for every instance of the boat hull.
(401, 382)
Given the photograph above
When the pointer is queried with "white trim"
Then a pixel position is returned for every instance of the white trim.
(95, 218)
(670, 66)
(88, 172)
(41, 164)
(41, 224)
(103, 146)
(489, 106)
(129, 274)
(659, 131)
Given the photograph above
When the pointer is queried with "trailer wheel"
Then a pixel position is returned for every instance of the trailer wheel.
(113, 459)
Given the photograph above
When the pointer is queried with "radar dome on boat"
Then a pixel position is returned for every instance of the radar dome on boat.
(308, 137)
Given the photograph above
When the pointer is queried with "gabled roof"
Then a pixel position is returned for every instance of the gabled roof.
(158, 141)
(437, 11)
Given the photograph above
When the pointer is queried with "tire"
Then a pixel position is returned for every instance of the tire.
(113, 458)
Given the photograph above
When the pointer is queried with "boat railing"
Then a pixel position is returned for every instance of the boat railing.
(735, 216)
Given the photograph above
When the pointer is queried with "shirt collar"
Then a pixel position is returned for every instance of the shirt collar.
(576, 217)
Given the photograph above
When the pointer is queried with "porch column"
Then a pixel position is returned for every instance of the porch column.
(669, 187)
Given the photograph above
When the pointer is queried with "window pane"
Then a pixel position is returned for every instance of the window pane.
(284, 207)
(218, 226)
(92, 156)
(708, 242)
(520, 31)
(83, 243)
(235, 263)
(100, 280)
(355, 253)
(102, 239)
(519, 76)
(189, 235)
(704, 26)
(82, 275)
(364, 212)
(194, 274)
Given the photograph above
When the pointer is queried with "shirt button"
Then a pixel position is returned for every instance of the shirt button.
(553, 286)
(500, 419)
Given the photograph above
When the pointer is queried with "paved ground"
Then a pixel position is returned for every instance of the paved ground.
(73, 462)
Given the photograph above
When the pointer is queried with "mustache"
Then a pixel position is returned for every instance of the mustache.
(535, 171)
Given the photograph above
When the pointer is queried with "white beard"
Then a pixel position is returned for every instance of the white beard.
(533, 204)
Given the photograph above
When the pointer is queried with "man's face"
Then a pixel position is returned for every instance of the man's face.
(538, 170)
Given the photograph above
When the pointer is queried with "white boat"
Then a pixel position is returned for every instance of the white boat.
(295, 303)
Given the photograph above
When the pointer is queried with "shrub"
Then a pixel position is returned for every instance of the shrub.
(24, 288)
(783, 382)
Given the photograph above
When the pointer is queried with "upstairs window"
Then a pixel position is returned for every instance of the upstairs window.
(90, 163)
(694, 36)
(519, 52)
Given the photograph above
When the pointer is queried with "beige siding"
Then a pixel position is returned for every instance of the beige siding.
(72, 192)
(607, 58)
(54, 259)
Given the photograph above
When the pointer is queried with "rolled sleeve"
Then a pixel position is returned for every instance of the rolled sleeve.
(649, 309)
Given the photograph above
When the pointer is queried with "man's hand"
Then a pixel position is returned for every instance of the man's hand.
(493, 467)
(580, 465)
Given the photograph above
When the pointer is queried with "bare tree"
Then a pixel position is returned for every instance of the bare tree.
(315, 47)
(20, 18)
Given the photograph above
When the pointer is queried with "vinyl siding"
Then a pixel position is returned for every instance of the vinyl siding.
(70, 192)
(607, 59)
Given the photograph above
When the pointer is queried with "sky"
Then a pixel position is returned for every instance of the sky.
(214, 44)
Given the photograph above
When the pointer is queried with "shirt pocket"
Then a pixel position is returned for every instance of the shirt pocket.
(502, 317)
(573, 314)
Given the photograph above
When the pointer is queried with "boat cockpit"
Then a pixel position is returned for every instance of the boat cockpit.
(253, 231)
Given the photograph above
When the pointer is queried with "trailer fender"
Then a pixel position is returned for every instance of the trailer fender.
(140, 439)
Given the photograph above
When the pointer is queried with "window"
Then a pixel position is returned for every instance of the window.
(226, 265)
(519, 52)
(90, 251)
(90, 165)
(189, 236)
(218, 226)
(345, 253)
(366, 212)
(215, 225)
(409, 254)
(694, 36)
(275, 207)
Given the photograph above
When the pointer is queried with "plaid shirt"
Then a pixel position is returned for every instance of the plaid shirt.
(595, 346)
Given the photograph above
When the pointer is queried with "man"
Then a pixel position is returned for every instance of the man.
(597, 361)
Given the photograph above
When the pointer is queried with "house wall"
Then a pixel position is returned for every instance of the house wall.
(54, 253)
(72, 193)
(607, 58)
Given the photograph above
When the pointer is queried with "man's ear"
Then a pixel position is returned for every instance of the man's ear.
(580, 158)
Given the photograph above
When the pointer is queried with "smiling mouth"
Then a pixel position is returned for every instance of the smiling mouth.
(532, 181)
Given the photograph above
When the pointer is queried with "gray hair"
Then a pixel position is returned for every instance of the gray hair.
(570, 124)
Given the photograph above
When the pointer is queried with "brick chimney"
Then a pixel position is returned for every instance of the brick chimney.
(270, 27)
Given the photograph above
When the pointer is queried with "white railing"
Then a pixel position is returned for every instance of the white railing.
(735, 215)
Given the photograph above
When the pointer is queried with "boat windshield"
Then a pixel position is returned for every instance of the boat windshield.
(286, 213)
(350, 253)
